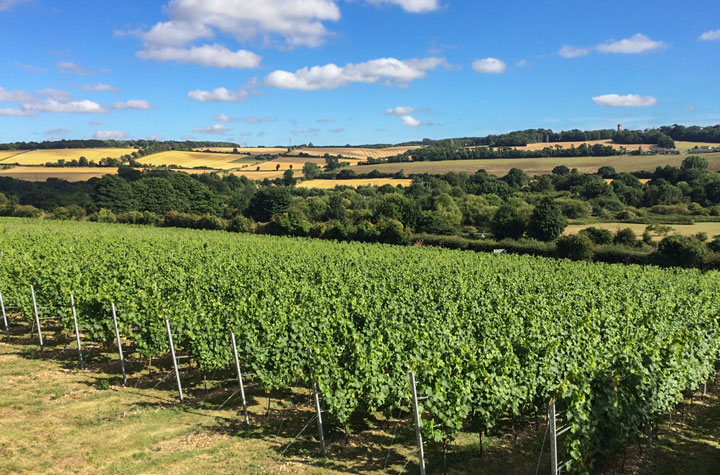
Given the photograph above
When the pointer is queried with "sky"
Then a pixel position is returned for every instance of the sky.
(336, 72)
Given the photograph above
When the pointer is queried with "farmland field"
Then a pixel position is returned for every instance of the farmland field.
(359, 153)
(62, 173)
(183, 159)
(712, 229)
(329, 184)
(247, 150)
(41, 157)
(589, 143)
(537, 166)
(510, 333)
(686, 146)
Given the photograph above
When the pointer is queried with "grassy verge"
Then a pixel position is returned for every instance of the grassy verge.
(58, 419)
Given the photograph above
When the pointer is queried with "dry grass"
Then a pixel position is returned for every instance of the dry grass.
(712, 229)
(538, 166)
(64, 173)
(247, 150)
(41, 157)
(221, 161)
(358, 153)
(10, 153)
(686, 146)
(329, 184)
(590, 143)
(261, 175)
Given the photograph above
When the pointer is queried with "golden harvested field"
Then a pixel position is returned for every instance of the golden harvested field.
(590, 143)
(358, 153)
(247, 150)
(41, 157)
(220, 161)
(712, 229)
(686, 146)
(329, 184)
(261, 175)
(296, 162)
(10, 153)
(538, 166)
(64, 173)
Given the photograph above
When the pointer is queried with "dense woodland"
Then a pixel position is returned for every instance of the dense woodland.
(475, 211)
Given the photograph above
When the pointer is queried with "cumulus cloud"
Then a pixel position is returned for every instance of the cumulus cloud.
(214, 55)
(410, 121)
(338, 130)
(100, 87)
(637, 43)
(489, 66)
(710, 35)
(222, 94)
(58, 95)
(412, 6)
(9, 111)
(110, 135)
(72, 107)
(295, 22)
(628, 100)
(568, 51)
(15, 96)
(223, 118)
(400, 110)
(133, 104)
(211, 129)
(390, 70)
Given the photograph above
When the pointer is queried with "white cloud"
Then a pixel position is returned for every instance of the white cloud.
(8, 111)
(297, 22)
(223, 118)
(258, 120)
(400, 110)
(30, 67)
(222, 94)
(215, 55)
(489, 65)
(628, 100)
(68, 67)
(410, 121)
(133, 104)
(58, 132)
(338, 130)
(110, 135)
(95, 122)
(14, 96)
(412, 6)
(156, 138)
(100, 87)
(245, 134)
(637, 43)
(325, 120)
(390, 70)
(58, 95)
(211, 129)
(73, 107)
(710, 35)
(568, 51)
(8, 4)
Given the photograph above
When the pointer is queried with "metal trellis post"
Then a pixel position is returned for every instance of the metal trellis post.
(37, 320)
(5, 321)
(418, 432)
(77, 331)
(239, 376)
(175, 365)
(119, 343)
(316, 396)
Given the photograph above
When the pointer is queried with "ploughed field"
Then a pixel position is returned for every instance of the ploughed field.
(489, 338)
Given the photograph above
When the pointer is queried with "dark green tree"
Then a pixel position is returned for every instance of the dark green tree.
(508, 223)
(113, 193)
(268, 202)
(547, 221)
(311, 171)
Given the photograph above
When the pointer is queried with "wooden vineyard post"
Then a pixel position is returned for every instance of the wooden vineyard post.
(77, 331)
(119, 343)
(174, 359)
(418, 432)
(239, 376)
(37, 320)
(5, 321)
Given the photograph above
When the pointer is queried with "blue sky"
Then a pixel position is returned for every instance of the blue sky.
(266, 72)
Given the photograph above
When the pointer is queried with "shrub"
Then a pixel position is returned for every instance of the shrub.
(508, 223)
(577, 247)
(598, 235)
(680, 251)
(625, 237)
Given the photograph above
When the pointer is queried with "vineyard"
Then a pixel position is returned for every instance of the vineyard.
(487, 337)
